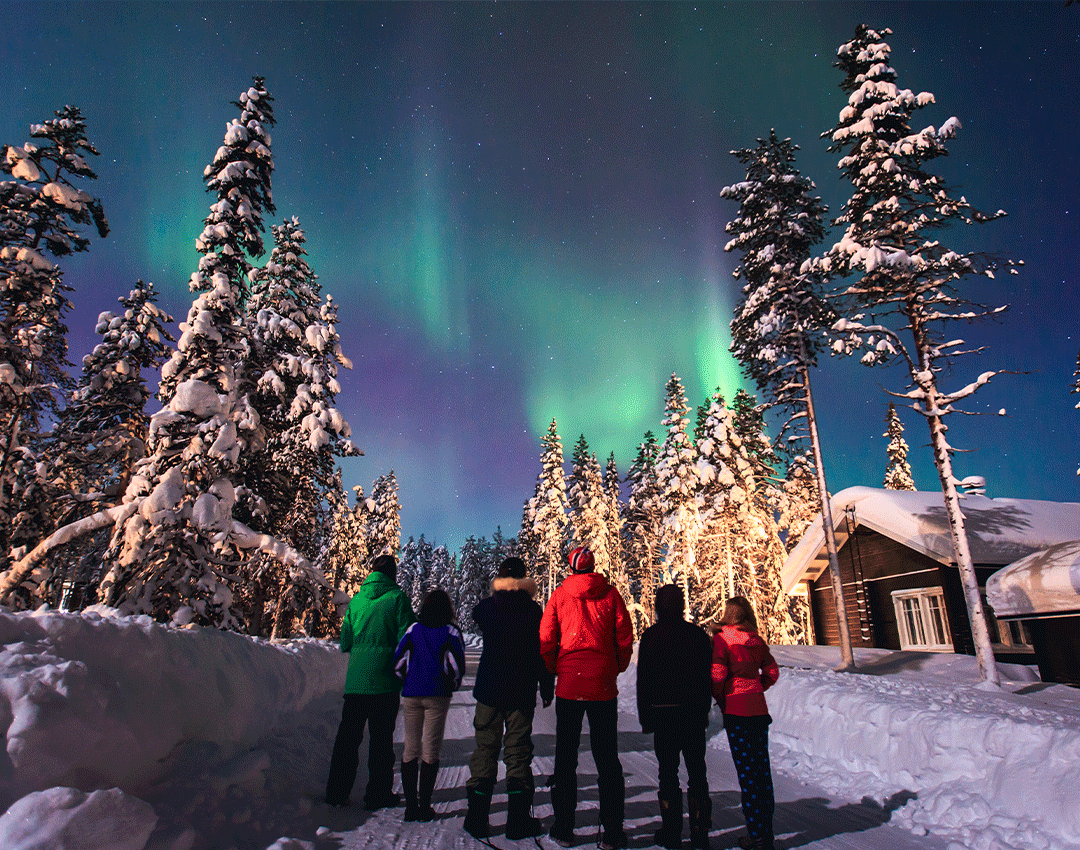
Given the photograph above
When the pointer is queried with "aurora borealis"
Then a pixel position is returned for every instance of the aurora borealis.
(517, 207)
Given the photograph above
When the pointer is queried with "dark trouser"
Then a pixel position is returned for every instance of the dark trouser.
(515, 744)
(603, 740)
(749, 740)
(680, 731)
(379, 712)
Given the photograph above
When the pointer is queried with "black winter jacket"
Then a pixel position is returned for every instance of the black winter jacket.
(511, 667)
(674, 668)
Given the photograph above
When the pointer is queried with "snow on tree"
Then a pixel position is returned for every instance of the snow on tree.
(641, 523)
(587, 502)
(898, 472)
(347, 559)
(544, 523)
(617, 571)
(176, 543)
(98, 438)
(42, 212)
(384, 517)
(677, 486)
(777, 331)
(415, 568)
(905, 282)
(1076, 387)
(801, 502)
(294, 355)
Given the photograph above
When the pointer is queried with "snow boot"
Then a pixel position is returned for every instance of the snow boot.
(748, 843)
(476, 819)
(669, 836)
(700, 809)
(428, 772)
(614, 839)
(410, 771)
(519, 821)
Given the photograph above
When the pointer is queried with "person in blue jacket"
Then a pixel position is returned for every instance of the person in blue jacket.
(430, 662)
(511, 669)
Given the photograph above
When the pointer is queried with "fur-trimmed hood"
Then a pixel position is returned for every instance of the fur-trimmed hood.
(526, 584)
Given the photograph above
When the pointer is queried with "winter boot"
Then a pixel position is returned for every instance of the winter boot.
(563, 805)
(519, 820)
(428, 772)
(700, 809)
(476, 819)
(410, 770)
(748, 843)
(669, 836)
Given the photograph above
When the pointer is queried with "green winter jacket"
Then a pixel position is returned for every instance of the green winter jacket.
(378, 615)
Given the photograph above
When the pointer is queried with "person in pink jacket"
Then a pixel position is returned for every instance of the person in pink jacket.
(586, 640)
(743, 669)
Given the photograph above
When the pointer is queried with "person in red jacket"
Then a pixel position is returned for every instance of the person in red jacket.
(586, 639)
(743, 669)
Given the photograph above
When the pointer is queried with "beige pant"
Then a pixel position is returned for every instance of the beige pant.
(425, 720)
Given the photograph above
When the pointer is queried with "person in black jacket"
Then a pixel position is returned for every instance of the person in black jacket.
(510, 671)
(674, 696)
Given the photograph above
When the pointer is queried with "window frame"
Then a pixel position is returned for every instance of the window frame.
(922, 597)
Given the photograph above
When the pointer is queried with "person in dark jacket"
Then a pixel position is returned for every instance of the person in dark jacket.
(510, 671)
(587, 639)
(377, 617)
(742, 670)
(674, 697)
(430, 662)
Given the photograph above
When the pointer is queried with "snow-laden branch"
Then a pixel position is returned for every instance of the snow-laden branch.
(299, 566)
(115, 515)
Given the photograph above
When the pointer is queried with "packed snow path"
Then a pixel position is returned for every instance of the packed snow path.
(806, 816)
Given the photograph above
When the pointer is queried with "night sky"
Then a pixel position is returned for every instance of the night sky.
(517, 208)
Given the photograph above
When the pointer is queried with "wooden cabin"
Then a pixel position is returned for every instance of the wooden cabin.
(1042, 592)
(901, 584)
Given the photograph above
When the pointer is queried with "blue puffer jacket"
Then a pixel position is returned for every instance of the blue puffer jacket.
(430, 661)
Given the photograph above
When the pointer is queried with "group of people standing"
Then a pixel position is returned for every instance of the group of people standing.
(569, 652)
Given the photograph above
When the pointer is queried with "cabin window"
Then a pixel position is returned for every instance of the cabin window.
(920, 614)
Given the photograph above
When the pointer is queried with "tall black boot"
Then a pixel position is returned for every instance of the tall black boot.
(519, 820)
(476, 819)
(700, 811)
(564, 806)
(428, 772)
(410, 771)
(669, 836)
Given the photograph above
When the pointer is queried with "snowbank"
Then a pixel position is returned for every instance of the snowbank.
(991, 770)
(92, 701)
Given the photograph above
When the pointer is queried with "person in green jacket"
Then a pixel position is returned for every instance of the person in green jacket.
(378, 615)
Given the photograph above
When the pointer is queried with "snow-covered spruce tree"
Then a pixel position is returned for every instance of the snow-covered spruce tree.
(1076, 388)
(802, 500)
(544, 522)
(766, 549)
(42, 213)
(587, 505)
(778, 328)
(100, 436)
(294, 356)
(177, 544)
(615, 543)
(414, 571)
(898, 471)
(384, 517)
(347, 560)
(725, 502)
(641, 523)
(677, 486)
(904, 291)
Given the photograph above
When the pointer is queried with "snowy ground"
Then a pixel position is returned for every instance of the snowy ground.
(221, 742)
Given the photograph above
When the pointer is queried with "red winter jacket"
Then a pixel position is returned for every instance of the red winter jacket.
(586, 637)
(742, 670)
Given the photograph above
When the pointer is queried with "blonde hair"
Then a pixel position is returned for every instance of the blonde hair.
(739, 612)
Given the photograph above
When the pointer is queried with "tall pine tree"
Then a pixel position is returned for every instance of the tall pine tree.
(777, 332)
(543, 526)
(905, 287)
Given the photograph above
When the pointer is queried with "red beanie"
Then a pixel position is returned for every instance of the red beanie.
(581, 560)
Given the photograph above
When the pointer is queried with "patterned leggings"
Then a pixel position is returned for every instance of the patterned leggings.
(749, 740)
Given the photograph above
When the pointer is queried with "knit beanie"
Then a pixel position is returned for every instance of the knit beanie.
(512, 568)
(581, 560)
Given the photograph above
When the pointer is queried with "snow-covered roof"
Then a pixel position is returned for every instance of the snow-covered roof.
(1043, 583)
(1000, 531)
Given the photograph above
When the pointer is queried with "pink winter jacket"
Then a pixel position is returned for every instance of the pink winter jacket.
(742, 670)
